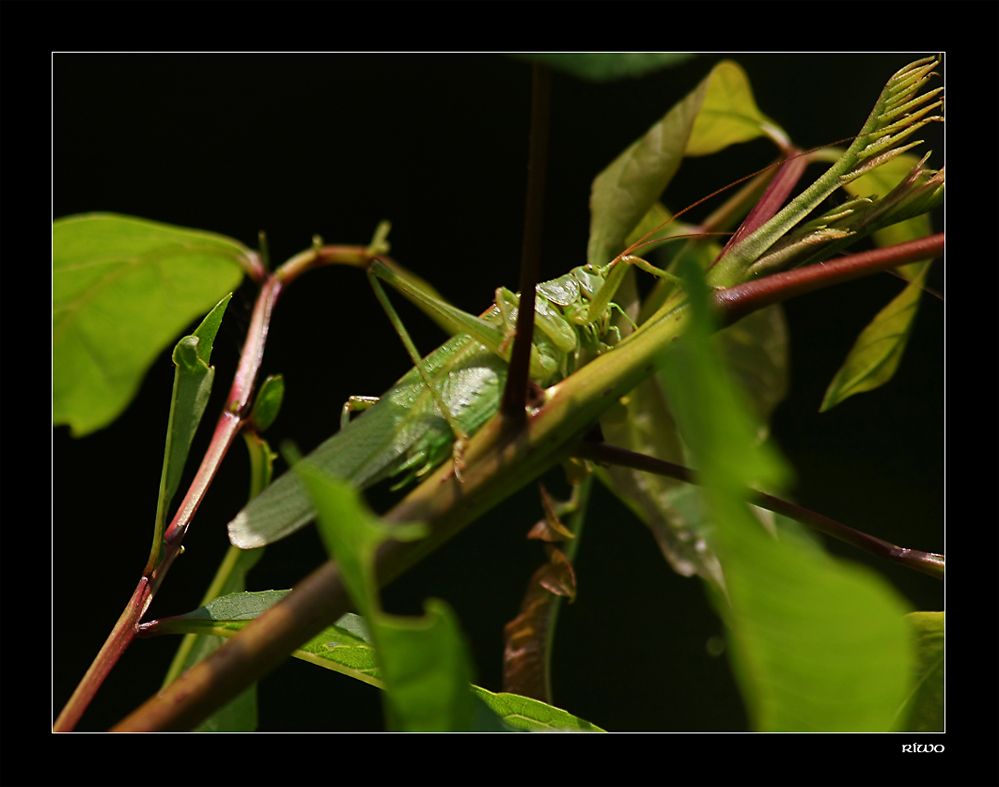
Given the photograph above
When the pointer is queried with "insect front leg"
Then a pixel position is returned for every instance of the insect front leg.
(355, 404)
(553, 340)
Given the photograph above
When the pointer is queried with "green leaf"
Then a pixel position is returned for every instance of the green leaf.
(345, 647)
(923, 709)
(122, 289)
(531, 714)
(348, 648)
(224, 599)
(729, 114)
(424, 661)
(268, 403)
(192, 386)
(816, 644)
(231, 607)
(875, 355)
(428, 670)
(719, 112)
(608, 66)
(627, 189)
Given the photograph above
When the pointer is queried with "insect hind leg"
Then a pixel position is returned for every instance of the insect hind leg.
(461, 437)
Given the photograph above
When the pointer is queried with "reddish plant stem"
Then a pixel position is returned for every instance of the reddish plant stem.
(237, 406)
(229, 423)
(736, 302)
(226, 430)
(118, 640)
(316, 601)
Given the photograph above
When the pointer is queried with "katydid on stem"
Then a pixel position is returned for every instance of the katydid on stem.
(430, 412)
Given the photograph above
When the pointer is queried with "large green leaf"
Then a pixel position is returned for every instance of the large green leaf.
(627, 189)
(719, 112)
(816, 644)
(122, 289)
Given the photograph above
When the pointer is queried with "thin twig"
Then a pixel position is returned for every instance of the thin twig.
(515, 393)
(926, 562)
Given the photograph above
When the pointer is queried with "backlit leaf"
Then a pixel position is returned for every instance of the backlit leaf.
(531, 714)
(729, 114)
(923, 709)
(875, 355)
(122, 290)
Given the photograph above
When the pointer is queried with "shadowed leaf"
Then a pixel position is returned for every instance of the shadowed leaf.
(525, 658)
(608, 66)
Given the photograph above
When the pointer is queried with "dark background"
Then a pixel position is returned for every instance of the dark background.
(331, 144)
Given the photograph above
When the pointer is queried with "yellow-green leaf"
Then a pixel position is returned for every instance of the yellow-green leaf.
(876, 354)
(122, 290)
(729, 114)
(923, 709)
